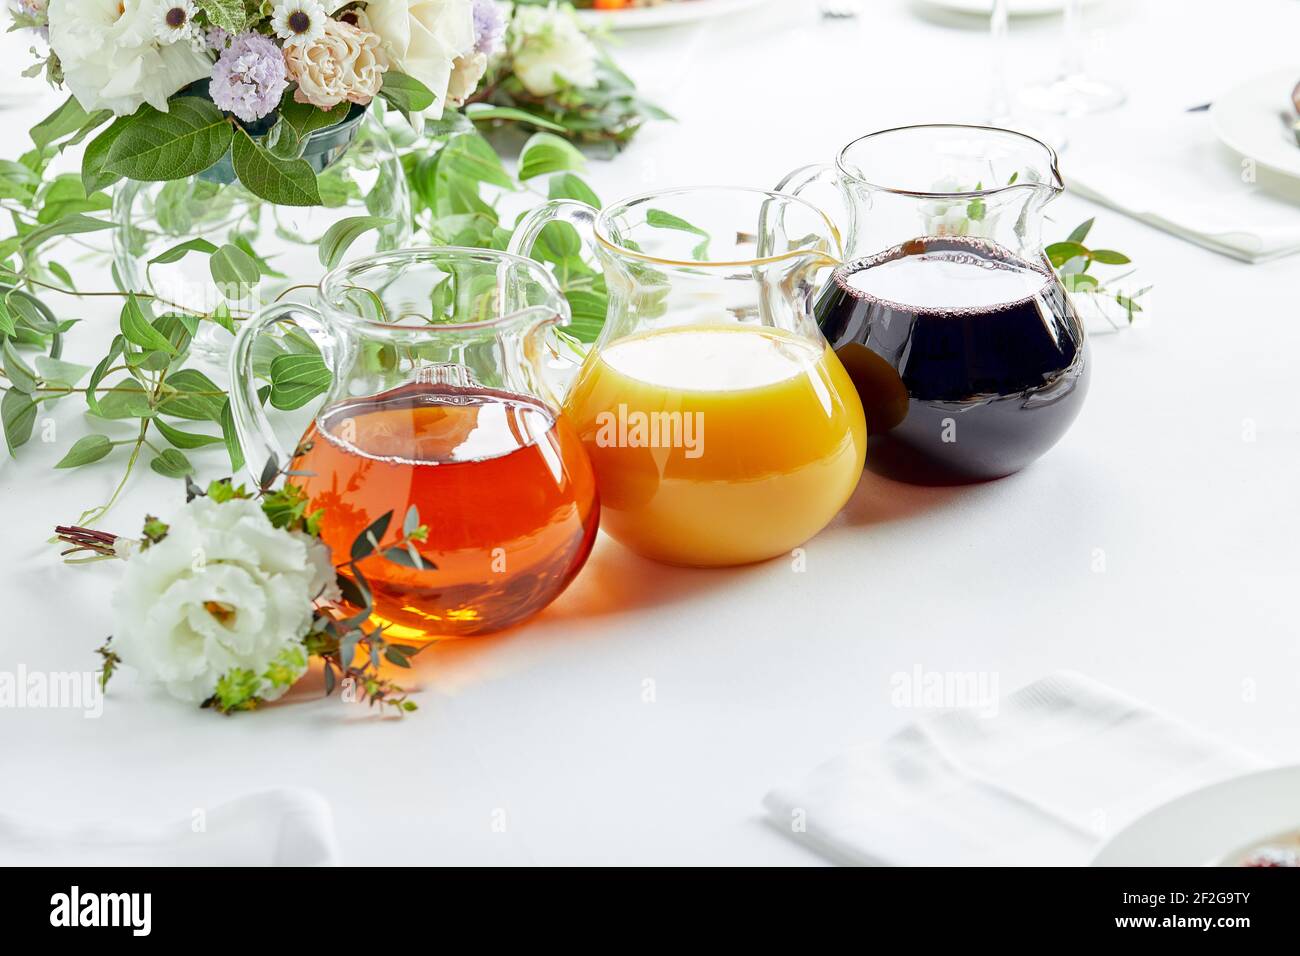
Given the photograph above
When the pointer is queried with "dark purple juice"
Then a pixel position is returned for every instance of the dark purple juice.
(970, 362)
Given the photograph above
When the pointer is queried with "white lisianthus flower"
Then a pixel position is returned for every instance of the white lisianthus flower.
(224, 593)
(549, 50)
(112, 57)
(423, 38)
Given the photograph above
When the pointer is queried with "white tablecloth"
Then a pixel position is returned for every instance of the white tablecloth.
(643, 716)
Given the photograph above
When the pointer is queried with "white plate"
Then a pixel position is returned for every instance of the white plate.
(666, 14)
(1206, 825)
(1248, 120)
(1015, 8)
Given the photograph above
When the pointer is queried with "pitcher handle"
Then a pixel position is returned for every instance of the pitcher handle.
(582, 217)
(252, 428)
(817, 174)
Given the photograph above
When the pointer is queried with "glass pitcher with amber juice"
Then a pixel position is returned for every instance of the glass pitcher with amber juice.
(438, 401)
(721, 428)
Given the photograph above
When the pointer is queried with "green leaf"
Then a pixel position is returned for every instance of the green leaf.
(127, 398)
(1079, 282)
(69, 118)
(230, 15)
(1058, 253)
(172, 464)
(222, 317)
(71, 225)
(343, 233)
(1081, 231)
(231, 438)
(57, 372)
(588, 310)
(157, 146)
(369, 539)
(1110, 257)
(547, 153)
(178, 252)
(88, 448)
(20, 375)
(480, 112)
(234, 271)
(407, 556)
(285, 182)
(304, 119)
(194, 396)
(297, 379)
(666, 220)
(30, 311)
(473, 157)
(406, 94)
(92, 398)
(569, 186)
(94, 174)
(139, 330)
(184, 439)
(18, 412)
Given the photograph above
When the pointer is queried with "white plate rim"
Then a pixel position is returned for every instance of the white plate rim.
(664, 15)
(1193, 830)
(1239, 121)
(1015, 8)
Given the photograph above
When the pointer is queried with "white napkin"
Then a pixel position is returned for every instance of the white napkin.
(271, 828)
(1168, 169)
(1060, 765)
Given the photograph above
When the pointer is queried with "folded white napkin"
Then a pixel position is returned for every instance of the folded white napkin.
(1041, 780)
(270, 828)
(1169, 169)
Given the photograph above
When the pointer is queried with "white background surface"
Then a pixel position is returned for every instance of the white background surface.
(761, 673)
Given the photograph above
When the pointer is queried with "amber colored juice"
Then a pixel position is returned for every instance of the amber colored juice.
(501, 482)
(776, 433)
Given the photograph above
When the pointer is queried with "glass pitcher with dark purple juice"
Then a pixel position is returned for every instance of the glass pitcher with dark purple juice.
(965, 348)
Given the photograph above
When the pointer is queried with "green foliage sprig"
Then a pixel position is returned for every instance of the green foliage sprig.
(1073, 262)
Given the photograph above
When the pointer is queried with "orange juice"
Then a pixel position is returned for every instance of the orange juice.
(717, 445)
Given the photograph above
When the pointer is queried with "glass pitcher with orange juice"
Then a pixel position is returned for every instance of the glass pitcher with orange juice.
(721, 428)
(439, 401)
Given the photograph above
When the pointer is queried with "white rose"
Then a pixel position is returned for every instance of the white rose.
(225, 589)
(464, 78)
(549, 49)
(423, 38)
(112, 58)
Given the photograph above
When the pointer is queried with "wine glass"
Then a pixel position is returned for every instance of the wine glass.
(1074, 91)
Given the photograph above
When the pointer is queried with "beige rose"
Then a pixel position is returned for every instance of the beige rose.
(346, 63)
(466, 71)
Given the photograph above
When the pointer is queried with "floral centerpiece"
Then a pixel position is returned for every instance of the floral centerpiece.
(190, 133)
(178, 84)
(197, 134)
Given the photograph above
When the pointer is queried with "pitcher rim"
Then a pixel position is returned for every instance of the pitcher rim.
(1057, 185)
(601, 229)
(328, 282)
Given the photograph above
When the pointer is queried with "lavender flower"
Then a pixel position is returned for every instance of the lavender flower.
(217, 38)
(489, 26)
(249, 77)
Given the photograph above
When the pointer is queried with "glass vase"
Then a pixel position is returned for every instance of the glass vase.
(359, 173)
